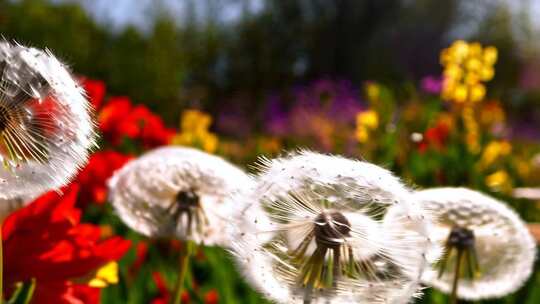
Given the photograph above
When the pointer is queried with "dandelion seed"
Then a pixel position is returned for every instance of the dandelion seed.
(486, 242)
(316, 232)
(177, 192)
(45, 125)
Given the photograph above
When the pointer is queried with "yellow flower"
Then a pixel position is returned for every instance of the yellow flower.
(209, 142)
(472, 79)
(459, 50)
(487, 73)
(475, 49)
(466, 66)
(362, 134)
(471, 129)
(365, 121)
(368, 119)
(195, 121)
(453, 72)
(473, 64)
(490, 55)
(498, 181)
(460, 93)
(493, 151)
(445, 57)
(106, 275)
(477, 92)
(194, 131)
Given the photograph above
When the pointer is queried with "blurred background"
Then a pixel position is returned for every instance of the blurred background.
(242, 78)
(231, 54)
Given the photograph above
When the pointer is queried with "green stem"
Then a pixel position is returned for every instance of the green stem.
(182, 271)
(453, 295)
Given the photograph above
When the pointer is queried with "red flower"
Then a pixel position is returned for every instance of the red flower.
(119, 119)
(112, 115)
(211, 297)
(141, 253)
(434, 137)
(165, 295)
(93, 177)
(95, 90)
(47, 242)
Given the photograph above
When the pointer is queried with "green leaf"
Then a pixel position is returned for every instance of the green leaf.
(23, 292)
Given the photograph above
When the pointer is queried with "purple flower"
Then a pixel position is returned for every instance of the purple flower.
(319, 114)
(431, 84)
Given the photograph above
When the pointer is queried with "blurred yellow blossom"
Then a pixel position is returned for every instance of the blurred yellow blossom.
(194, 131)
(195, 121)
(493, 151)
(105, 276)
(366, 121)
(362, 134)
(466, 66)
(499, 181)
(369, 118)
(472, 133)
(490, 55)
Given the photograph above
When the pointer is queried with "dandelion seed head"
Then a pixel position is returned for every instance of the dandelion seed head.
(46, 128)
(176, 192)
(322, 232)
(505, 250)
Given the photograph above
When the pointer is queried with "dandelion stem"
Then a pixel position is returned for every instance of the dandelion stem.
(182, 271)
(453, 295)
(308, 294)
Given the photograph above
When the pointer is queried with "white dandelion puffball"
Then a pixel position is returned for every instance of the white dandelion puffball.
(45, 124)
(314, 233)
(178, 192)
(503, 249)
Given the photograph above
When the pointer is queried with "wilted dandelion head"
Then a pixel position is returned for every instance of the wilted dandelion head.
(45, 125)
(316, 232)
(497, 249)
(177, 192)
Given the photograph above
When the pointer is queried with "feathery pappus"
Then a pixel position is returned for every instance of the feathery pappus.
(315, 231)
(46, 128)
(485, 241)
(177, 192)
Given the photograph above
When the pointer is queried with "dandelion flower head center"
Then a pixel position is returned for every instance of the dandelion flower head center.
(461, 238)
(26, 113)
(330, 229)
(188, 212)
(187, 201)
